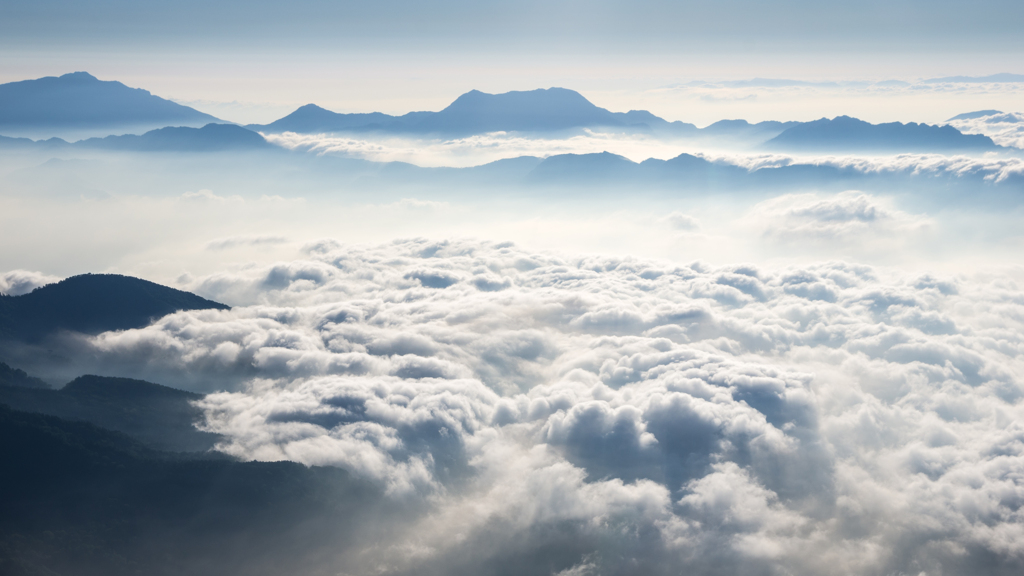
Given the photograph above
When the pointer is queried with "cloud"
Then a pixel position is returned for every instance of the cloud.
(236, 241)
(208, 197)
(18, 282)
(846, 217)
(1005, 129)
(608, 415)
(478, 149)
(680, 221)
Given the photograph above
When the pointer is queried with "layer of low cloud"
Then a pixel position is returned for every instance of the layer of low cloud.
(479, 149)
(605, 415)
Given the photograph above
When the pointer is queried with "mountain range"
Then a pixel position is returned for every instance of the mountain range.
(475, 112)
(844, 133)
(79, 99)
(209, 138)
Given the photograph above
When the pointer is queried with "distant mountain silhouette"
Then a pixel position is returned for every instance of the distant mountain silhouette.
(92, 303)
(604, 169)
(553, 109)
(23, 143)
(1004, 77)
(973, 115)
(312, 118)
(209, 138)
(80, 100)
(845, 133)
(475, 112)
(584, 167)
(610, 172)
(161, 418)
(742, 128)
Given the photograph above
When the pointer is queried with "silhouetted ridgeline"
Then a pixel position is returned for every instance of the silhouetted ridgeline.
(742, 128)
(159, 417)
(476, 112)
(209, 138)
(79, 100)
(92, 303)
(844, 133)
(11, 377)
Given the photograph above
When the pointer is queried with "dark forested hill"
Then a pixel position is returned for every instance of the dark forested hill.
(92, 303)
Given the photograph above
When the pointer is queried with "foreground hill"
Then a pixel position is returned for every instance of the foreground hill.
(92, 303)
(844, 133)
(80, 100)
(79, 500)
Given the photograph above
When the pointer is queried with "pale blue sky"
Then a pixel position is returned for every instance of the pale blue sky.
(610, 25)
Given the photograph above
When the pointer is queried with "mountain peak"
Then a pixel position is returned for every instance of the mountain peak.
(93, 303)
(81, 101)
(79, 76)
(552, 95)
(542, 109)
(476, 112)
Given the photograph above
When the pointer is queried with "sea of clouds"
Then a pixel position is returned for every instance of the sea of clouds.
(1005, 129)
(547, 413)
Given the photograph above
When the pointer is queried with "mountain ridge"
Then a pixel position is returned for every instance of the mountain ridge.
(845, 133)
(475, 112)
(209, 138)
(79, 100)
(92, 303)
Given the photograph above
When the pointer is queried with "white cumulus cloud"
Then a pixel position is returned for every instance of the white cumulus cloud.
(611, 415)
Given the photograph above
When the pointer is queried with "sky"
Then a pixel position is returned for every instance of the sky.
(254, 62)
